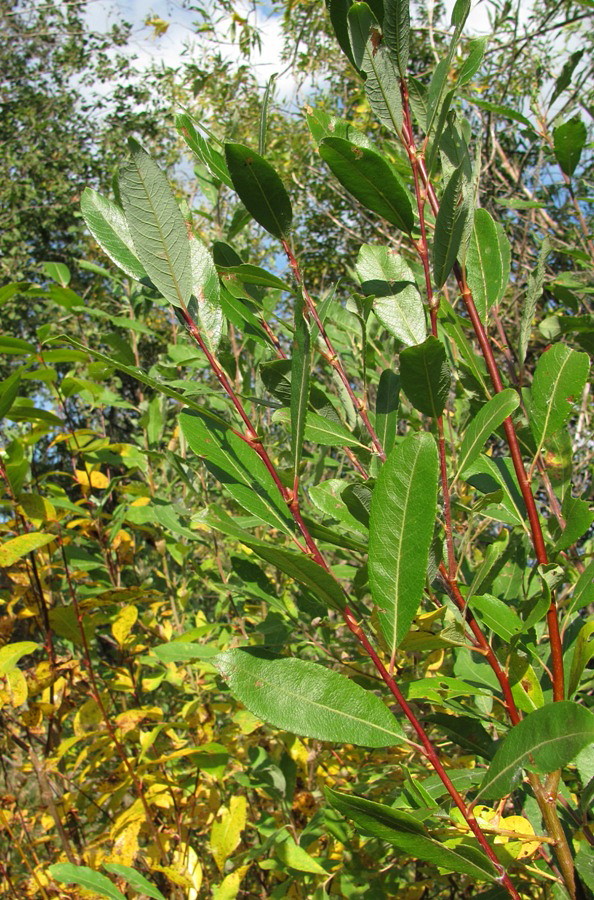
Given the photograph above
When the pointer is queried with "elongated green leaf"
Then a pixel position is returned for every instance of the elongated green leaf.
(564, 79)
(578, 515)
(322, 430)
(533, 295)
(15, 548)
(238, 467)
(134, 878)
(583, 592)
(183, 651)
(382, 79)
(211, 158)
(497, 479)
(264, 116)
(157, 227)
(439, 79)
(402, 521)
(410, 836)
(582, 654)
(296, 565)
(569, 140)
(505, 111)
(472, 63)
(67, 873)
(370, 179)
(558, 383)
(487, 262)
(449, 228)
(248, 274)
(205, 304)
(308, 699)
(9, 390)
(486, 421)
(497, 616)
(386, 409)
(260, 189)
(106, 222)
(491, 558)
(338, 10)
(387, 277)
(397, 31)
(546, 740)
(426, 376)
(300, 378)
(327, 496)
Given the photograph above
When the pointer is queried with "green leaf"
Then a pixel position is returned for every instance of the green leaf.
(10, 654)
(260, 189)
(308, 699)
(135, 879)
(449, 227)
(487, 262)
(264, 116)
(397, 31)
(497, 615)
(9, 390)
(578, 516)
(370, 179)
(106, 222)
(386, 409)
(402, 521)
(505, 111)
(300, 378)
(239, 468)
(409, 835)
(157, 227)
(205, 303)
(382, 79)
(545, 740)
(426, 376)
(15, 548)
(569, 140)
(558, 383)
(583, 592)
(533, 295)
(582, 654)
(183, 651)
(322, 430)
(211, 158)
(564, 79)
(58, 272)
(327, 496)
(67, 873)
(295, 857)
(487, 420)
(472, 63)
(387, 277)
(248, 274)
(338, 10)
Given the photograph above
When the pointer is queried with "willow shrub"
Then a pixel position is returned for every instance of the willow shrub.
(403, 466)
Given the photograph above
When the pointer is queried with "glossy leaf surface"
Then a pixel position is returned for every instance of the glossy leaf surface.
(397, 302)
(487, 262)
(487, 420)
(402, 520)
(449, 228)
(370, 179)
(426, 376)
(558, 383)
(543, 741)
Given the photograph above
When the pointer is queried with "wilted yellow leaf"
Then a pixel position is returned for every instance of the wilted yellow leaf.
(125, 846)
(225, 833)
(185, 861)
(13, 688)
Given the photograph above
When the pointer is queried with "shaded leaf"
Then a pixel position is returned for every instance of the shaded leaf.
(370, 179)
(426, 376)
(409, 835)
(533, 295)
(402, 521)
(449, 227)
(300, 378)
(211, 158)
(569, 140)
(397, 31)
(386, 409)
(307, 699)
(260, 189)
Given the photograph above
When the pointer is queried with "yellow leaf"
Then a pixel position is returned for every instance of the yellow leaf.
(10, 654)
(13, 688)
(16, 548)
(36, 508)
(228, 889)
(124, 623)
(125, 846)
(519, 848)
(141, 501)
(225, 833)
(93, 479)
(87, 718)
(185, 861)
